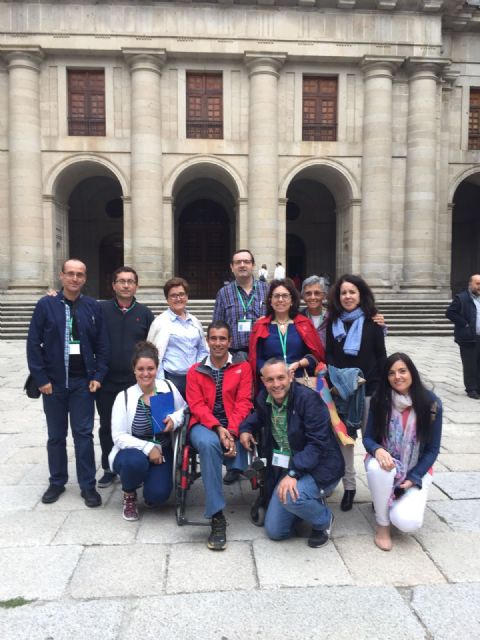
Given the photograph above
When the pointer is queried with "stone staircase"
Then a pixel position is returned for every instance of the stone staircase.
(404, 318)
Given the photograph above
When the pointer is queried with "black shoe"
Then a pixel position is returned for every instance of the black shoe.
(106, 480)
(319, 537)
(217, 539)
(91, 497)
(232, 476)
(53, 493)
(347, 500)
(473, 394)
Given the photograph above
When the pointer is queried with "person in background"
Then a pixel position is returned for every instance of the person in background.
(402, 439)
(279, 273)
(178, 336)
(263, 273)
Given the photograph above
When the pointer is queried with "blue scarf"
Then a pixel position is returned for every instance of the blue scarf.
(353, 340)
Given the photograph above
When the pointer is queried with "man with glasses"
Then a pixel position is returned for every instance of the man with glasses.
(241, 302)
(127, 323)
(67, 353)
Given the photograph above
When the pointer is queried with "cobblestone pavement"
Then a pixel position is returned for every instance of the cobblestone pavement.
(87, 573)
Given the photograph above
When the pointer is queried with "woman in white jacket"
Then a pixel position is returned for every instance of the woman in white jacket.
(142, 454)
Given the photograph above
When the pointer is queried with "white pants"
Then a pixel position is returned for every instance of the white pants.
(407, 512)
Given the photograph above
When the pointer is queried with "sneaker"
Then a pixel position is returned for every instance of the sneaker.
(473, 394)
(233, 475)
(320, 537)
(91, 497)
(106, 480)
(53, 493)
(130, 511)
(217, 539)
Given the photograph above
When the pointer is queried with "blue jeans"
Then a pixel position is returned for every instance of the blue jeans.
(78, 402)
(206, 442)
(280, 518)
(135, 469)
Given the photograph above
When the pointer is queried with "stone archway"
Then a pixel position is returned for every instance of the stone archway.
(465, 255)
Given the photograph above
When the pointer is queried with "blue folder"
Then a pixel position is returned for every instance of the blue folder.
(161, 406)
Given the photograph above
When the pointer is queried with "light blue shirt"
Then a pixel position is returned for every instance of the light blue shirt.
(476, 300)
(186, 345)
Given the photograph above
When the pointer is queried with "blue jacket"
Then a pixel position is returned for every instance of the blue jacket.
(314, 446)
(428, 451)
(463, 313)
(45, 342)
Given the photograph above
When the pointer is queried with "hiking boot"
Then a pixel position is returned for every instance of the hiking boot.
(53, 493)
(217, 539)
(320, 537)
(106, 480)
(233, 475)
(130, 511)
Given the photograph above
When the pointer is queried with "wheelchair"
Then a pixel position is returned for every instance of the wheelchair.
(186, 470)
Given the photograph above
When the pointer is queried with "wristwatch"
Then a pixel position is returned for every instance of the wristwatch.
(292, 473)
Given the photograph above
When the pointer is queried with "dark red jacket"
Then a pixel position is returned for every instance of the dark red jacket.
(303, 325)
(236, 390)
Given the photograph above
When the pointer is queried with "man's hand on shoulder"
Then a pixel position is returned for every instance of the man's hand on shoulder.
(51, 292)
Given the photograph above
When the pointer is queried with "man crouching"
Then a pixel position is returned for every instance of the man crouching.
(304, 461)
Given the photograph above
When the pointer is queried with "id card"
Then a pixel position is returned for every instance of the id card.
(74, 348)
(244, 326)
(280, 459)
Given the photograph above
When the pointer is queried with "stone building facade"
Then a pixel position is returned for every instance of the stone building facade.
(393, 194)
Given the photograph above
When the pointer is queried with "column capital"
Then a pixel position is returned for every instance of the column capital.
(26, 58)
(427, 68)
(265, 63)
(146, 59)
(380, 66)
(449, 78)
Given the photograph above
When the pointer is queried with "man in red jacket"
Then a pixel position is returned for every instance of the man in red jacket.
(219, 394)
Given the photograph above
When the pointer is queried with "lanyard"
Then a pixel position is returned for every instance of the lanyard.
(283, 341)
(250, 299)
(70, 332)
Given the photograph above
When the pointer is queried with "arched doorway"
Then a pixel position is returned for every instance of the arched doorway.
(465, 233)
(204, 247)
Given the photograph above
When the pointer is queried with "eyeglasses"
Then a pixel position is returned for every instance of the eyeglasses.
(281, 296)
(129, 283)
(74, 274)
(237, 262)
(313, 294)
(177, 296)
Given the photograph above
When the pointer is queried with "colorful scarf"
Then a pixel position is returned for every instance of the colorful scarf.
(353, 339)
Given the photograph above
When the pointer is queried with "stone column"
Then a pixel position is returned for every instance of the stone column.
(147, 242)
(25, 171)
(421, 182)
(377, 169)
(263, 206)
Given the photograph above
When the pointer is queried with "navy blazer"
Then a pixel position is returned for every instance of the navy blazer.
(45, 342)
(314, 446)
(463, 313)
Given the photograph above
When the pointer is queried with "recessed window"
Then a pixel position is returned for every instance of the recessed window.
(319, 108)
(474, 119)
(86, 102)
(204, 105)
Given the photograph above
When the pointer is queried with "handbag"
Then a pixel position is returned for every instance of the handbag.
(30, 387)
(307, 381)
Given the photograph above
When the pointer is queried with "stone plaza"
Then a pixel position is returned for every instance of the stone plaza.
(90, 574)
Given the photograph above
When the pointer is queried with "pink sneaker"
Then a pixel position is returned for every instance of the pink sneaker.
(130, 511)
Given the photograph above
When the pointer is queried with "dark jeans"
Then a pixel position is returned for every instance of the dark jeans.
(179, 380)
(78, 402)
(136, 469)
(104, 399)
(470, 354)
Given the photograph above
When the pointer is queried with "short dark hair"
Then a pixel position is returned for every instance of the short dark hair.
(124, 269)
(145, 349)
(242, 251)
(219, 324)
(272, 361)
(367, 299)
(174, 282)
(293, 291)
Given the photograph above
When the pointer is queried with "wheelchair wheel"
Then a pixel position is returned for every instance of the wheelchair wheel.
(257, 515)
(180, 473)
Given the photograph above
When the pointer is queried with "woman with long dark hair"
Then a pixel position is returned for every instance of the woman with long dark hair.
(354, 341)
(402, 439)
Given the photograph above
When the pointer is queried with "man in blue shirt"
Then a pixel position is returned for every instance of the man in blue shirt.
(241, 302)
(67, 353)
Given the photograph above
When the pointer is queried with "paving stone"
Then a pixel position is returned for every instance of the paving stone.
(470, 445)
(455, 553)
(460, 515)
(351, 522)
(93, 526)
(461, 461)
(194, 568)
(460, 485)
(29, 529)
(70, 500)
(449, 611)
(338, 613)
(160, 526)
(112, 571)
(37, 572)
(405, 565)
(19, 498)
(12, 474)
(95, 620)
(31, 455)
(292, 563)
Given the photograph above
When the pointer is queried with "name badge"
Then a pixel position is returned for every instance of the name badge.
(74, 348)
(280, 459)
(244, 326)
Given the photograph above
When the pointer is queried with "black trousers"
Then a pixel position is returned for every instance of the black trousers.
(470, 354)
